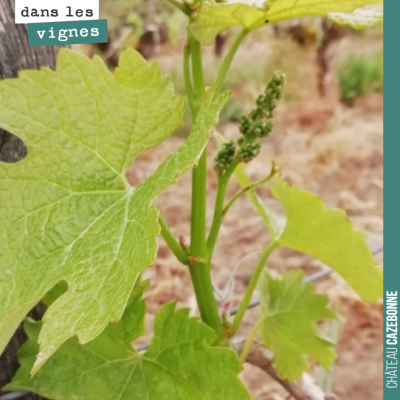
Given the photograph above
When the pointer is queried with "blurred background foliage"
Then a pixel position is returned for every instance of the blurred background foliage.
(360, 75)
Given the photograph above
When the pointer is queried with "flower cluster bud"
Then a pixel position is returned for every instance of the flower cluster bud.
(254, 128)
(225, 156)
(255, 125)
(268, 101)
(248, 151)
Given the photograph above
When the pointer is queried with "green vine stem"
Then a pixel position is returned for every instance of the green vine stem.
(172, 243)
(253, 186)
(217, 85)
(186, 77)
(197, 67)
(200, 268)
(252, 286)
(250, 340)
(199, 248)
(223, 181)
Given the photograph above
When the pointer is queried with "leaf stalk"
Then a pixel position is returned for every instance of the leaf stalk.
(187, 79)
(253, 186)
(217, 85)
(250, 340)
(252, 286)
(172, 243)
(223, 181)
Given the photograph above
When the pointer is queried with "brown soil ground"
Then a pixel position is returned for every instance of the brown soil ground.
(322, 146)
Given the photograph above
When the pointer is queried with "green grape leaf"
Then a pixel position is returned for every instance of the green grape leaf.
(67, 212)
(324, 233)
(58, 290)
(361, 18)
(215, 18)
(252, 14)
(328, 235)
(179, 364)
(290, 311)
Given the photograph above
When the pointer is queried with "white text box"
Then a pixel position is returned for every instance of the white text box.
(31, 11)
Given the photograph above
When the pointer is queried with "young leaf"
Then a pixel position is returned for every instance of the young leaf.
(328, 235)
(179, 364)
(289, 313)
(361, 18)
(252, 14)
(67, 211)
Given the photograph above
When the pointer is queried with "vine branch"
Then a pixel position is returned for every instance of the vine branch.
(259, 356)
(200, 267)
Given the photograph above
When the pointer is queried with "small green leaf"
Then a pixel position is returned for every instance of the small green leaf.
(252, 14)
(361, 18)
(179, 364)
(324, 233)
(67, 212)
(328, 235)
(289, 312)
